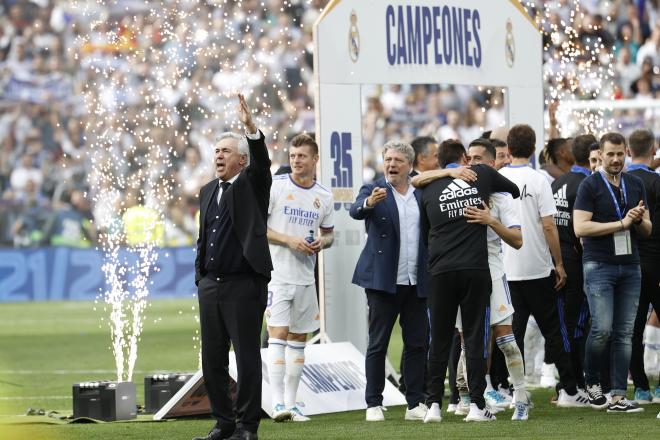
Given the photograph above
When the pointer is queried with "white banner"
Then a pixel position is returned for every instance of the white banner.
(333, 381)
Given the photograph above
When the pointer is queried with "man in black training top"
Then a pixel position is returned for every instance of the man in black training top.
(571, 299)
(459, 274)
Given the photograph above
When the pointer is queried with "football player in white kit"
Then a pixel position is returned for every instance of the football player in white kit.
(299, 207)
(502, 221)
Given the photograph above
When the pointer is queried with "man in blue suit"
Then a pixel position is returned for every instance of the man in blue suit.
(393, 271)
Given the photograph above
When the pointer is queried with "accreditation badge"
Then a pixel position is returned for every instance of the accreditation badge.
(622, 243)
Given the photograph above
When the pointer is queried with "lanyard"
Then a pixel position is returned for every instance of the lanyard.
(623, 192)
(581, 170)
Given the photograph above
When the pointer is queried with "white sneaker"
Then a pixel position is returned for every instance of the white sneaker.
(494, 409)
(417, 413)
(433, 415)
(451, 407)
(520, 411)
(479, 415)
(495, 399)
(548, 379)
(463, 407)
(578, 400)
(375, 414)
(280, 413)
(297, 415)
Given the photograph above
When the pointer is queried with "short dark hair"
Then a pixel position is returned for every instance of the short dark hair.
(521, 141)
(486, 134)
(421, 146)
(594, 146)
(641, 143)
(450, 151)
(552, 147)
(488, 146)
(613, 138)
(582, 147)
(498, 143)
(305, 139)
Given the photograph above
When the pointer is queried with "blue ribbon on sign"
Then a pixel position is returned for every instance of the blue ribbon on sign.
(616, 202)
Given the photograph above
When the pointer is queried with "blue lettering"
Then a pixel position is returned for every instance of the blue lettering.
(58, 279)
(38, 267)
(427, 32)
(414, 38)
(436, 35)
(447, 49)
(468, 36)
(476, 26)
(401, 40)
(457, 27)
(87, 284)
(18, 275)
(389, 23)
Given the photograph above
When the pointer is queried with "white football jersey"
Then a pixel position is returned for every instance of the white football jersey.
(533, 260)
(295, 210)
(503, 209)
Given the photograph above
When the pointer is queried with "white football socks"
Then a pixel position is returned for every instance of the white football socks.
(515, 365)
(295, 361)
(276, 369)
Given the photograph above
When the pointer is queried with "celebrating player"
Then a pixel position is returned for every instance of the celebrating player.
(299, 207)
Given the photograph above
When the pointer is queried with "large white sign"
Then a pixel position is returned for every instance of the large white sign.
(333, 380)
(359, 42)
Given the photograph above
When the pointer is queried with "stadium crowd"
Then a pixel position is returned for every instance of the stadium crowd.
(46, 131)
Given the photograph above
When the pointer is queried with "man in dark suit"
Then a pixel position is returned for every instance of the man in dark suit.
(393, 271)
(232, 270)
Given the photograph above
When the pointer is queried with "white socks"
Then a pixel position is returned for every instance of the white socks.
(515, 365)
(652, 352)
(295, 361)
(276, 369)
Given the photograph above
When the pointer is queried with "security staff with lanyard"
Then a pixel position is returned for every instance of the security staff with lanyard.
(610, 215)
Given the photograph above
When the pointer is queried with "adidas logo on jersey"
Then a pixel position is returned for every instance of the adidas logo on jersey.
(560, 197)
(457, 188)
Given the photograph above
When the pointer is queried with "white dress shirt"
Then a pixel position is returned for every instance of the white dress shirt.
(408, 209)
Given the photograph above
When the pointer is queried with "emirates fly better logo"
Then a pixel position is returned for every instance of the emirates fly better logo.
(458, 195)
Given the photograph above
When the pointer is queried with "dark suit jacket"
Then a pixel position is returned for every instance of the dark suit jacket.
(377, 266)
(247, 200)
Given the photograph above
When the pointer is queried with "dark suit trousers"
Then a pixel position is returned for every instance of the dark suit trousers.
(232, 311)
(383, 311)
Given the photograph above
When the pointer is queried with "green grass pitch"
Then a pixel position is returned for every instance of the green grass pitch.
(46, 347)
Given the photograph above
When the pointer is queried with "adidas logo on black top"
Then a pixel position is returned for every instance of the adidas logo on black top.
(457, 188)
(560, 197)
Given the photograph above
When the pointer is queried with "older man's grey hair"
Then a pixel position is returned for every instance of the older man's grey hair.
(243, 148)
(402, 147)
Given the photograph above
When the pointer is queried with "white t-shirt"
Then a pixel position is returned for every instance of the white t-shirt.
(502, 207)
(533, 260)
(294, 210)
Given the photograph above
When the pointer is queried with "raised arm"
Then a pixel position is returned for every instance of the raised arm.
(367, 198)
(259, 159)
(423, 179)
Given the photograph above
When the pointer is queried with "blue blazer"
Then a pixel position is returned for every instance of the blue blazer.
(378, 264)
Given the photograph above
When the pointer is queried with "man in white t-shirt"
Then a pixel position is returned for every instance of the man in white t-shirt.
(533, 278)
(299, 207)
